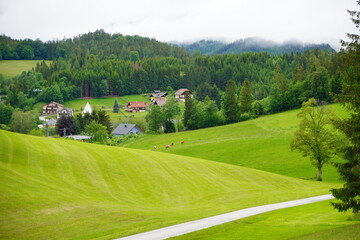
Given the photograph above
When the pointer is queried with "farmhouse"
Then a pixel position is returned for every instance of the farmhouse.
(159, 101)
(67, 112)
(126, 129)
(180, 94)
(52, 108)
(157, 94)
(136, 106)
(87, 109)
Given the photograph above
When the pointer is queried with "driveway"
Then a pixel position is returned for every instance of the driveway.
(187, 227)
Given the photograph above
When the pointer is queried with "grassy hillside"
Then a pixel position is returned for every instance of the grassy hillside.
(312, 221)
(262, 143)
(11, 68)
(55, 188)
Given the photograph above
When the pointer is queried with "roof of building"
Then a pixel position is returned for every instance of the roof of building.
(181, 91)
(123, 129)
(54, 103)
(69, 110)
(159, 94)
(137, 104)
(51, 122)
(79, 137)
(160, 101)
(87, 108)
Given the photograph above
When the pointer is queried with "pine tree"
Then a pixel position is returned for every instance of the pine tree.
(246, 97)
(188, 109)
(230, 103)
(116, 106)
(349, 194)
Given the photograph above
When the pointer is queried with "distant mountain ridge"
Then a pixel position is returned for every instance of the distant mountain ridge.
(253, 44)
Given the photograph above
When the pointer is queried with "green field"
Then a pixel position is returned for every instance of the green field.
(312, 221)
(262, 143)
(60, 189)
(11, 68)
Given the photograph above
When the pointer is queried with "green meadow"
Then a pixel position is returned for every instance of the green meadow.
(262, 143)
(307, 222)
(11, 68)
(61, 189)
(106, 102)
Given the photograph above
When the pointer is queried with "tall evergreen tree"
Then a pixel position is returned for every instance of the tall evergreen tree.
(246, 97)
(116, 106)
(349, 194)
(188, 108)
(230, 103)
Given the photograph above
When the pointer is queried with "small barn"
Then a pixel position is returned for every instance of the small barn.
(180, 94)
(51, 122)
(126, 129)
(136, 106)
(52, 108)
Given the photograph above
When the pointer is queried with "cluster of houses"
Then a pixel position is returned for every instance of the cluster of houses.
(157, 98)
(59, 110)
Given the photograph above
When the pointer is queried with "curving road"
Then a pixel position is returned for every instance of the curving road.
(183, 228)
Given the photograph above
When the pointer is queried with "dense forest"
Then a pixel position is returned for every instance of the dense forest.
(100, 64)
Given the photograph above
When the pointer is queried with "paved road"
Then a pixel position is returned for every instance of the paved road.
(183, 228)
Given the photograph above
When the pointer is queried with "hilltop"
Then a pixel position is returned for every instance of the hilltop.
(56, 188)
(253, 44)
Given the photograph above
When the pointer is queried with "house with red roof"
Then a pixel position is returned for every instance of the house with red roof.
(136, 106)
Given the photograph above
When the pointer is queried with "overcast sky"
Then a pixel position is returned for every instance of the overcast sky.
(315, 21)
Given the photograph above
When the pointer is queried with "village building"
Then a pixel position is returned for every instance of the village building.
(157, 94)
(126, 129)
(159, 101)
(87, 109)
(49, 123)
(180, 94)
(136, 106)
(67, 112)
(52, 108)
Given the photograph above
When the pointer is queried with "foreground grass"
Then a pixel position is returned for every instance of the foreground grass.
(351, 232)
(311, 220)
(55, 188)
(262, 143)
(11, 68)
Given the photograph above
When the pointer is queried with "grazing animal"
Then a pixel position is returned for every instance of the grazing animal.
(172, 144)
(155, 147)
(182, 142)
(167, 146)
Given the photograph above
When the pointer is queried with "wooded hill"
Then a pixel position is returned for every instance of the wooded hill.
(99, 43)
(210, 47)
